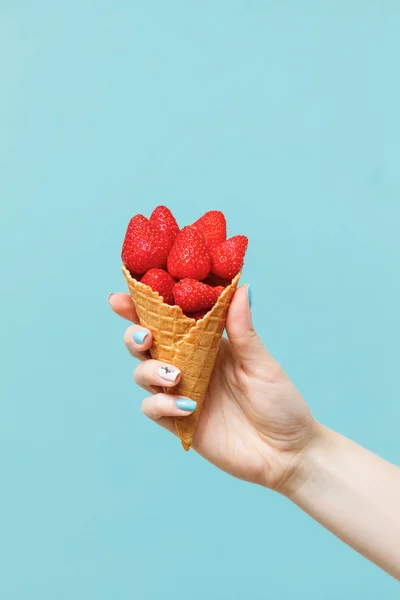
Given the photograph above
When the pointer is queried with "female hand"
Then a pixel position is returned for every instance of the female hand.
(254, 423)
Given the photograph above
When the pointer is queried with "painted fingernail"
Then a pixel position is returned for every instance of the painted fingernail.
(140, 335)
(109, 296)
(168, 372)
(249, 295)
(186, 404)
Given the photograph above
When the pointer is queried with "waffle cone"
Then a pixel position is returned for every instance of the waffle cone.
(189, 345)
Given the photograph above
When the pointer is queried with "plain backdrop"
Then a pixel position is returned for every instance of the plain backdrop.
(283, 114)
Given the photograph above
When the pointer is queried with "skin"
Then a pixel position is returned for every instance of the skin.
(256, 426)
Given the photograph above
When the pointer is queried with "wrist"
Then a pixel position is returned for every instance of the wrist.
(309, 462)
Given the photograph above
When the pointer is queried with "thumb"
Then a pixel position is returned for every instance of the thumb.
(246, 344)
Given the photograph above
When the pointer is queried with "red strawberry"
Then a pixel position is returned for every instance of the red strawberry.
(145, 246)
(163, 218)
(227, 258)
(189, 256)
(192, 295)
(213, 226)
(160, 281)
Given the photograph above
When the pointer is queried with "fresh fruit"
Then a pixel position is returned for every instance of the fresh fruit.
(196, 315)
(160, 281)
(189, 256)
(213, 226)
(145, 246)
(227, 257)
(192, 295)
(163, 218)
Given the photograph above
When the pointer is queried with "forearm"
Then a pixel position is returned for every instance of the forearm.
(354, 494)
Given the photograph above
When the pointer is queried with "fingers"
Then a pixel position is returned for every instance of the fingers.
(122, 305)
(138, 340)
(155, 373)
(160, 406)
(151, 374)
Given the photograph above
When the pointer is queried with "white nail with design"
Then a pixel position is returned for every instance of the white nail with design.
(168, 372)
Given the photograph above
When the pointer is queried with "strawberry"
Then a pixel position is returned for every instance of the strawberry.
(160, 281)
(192, 295)
(145, 246)
(196, 315)
(189, 256)
(163, 218)
(213, 226)
(227, 258)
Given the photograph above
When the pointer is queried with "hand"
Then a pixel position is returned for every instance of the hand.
(254, 423)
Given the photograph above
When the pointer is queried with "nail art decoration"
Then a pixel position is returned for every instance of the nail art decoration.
(168, 372)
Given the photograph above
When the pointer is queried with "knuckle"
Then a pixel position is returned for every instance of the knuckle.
(153, 407)
(159, 404)
(128, 335)
(145, 405)
(136, 374)
(253, 335)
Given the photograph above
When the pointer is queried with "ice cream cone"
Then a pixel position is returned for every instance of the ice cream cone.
(189, 345)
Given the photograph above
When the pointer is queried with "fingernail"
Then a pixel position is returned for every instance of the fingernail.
(249, 295)
(168, 372)
(186, 404)
(109, 296)
(140, 335)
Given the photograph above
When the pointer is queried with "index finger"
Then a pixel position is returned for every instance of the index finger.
(123, 306)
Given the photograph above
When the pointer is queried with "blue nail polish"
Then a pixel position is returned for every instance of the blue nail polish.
(140, 335)
(250, 296)
(186, 404)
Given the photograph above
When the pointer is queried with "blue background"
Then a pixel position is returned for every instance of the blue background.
(286, 116)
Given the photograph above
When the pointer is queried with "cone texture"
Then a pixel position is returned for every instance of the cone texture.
(189, 345)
